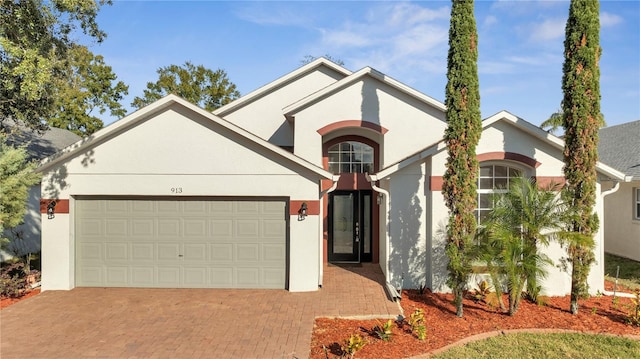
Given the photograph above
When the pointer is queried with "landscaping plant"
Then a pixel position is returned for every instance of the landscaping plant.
(354, 344)
(416, 323)
(581, 119)
(383, 331)
(464, 125)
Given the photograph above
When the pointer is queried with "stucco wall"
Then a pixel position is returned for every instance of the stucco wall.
(264, 117)
(178, 149)
(621, 230)
(505, 137)
(372, 101)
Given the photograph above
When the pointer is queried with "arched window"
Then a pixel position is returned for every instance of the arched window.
(493, 178)
(350, 157)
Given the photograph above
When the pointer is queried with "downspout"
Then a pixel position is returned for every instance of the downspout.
(333, 187)
(391, 290)
(614, 189)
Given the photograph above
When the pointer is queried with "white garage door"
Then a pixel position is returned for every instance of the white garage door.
(168, 243)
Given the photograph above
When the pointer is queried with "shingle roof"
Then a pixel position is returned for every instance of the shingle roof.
(619, 147)
(40, 144)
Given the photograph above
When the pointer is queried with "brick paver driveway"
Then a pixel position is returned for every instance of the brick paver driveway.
(186, 323)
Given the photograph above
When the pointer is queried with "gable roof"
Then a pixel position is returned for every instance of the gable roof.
(39, 144)
(129, 121)
(357, 76)
(619, 147)
(505, 116)
(304, 70)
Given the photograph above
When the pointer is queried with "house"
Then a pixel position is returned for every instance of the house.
(322, 165)
(619, 147)
(39, 145)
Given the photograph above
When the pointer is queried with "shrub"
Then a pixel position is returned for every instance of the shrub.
(13, 280)
(383, 331)
(353, 345)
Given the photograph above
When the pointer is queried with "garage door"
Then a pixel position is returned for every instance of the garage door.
(168, 243)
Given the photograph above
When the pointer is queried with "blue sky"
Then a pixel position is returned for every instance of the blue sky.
(520, 46)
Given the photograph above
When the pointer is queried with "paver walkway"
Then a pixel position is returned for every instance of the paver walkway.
(186, 323)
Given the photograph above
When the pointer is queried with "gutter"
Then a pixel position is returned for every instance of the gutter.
(614, 189)
(333, 187)
(391, 290)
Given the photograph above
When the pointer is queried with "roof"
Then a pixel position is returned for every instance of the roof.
(619, 147)
(131, 120)
(354, 77)
(39, 144)
(500, 116)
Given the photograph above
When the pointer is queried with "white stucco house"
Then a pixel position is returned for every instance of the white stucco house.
(321, 165)
(619, 147)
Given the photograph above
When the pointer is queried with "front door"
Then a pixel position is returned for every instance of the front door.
(350, 226)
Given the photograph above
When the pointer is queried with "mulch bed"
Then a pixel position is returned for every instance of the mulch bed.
(5, 302)
(597, 315)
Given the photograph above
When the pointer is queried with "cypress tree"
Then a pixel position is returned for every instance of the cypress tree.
(462, 98)
(581, 119)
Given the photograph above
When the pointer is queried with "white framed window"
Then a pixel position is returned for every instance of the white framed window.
(350, 157)
(637, 203)
(493, 179)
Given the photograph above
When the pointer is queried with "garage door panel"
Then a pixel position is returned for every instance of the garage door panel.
(142, 252)
(180, 243)
(116, 252)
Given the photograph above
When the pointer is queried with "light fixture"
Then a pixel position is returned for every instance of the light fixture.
(302, 212)
(51, 209)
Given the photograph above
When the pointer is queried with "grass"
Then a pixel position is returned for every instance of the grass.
(548, 346)
(629, 270)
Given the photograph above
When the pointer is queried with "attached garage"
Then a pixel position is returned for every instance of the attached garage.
(181, 243)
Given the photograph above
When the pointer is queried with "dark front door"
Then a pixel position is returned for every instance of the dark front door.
(350, 226)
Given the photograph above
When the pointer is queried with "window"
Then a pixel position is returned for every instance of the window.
(637, 201)
(350, 157)
(492, 179)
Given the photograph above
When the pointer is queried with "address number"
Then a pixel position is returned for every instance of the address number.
(176, 190)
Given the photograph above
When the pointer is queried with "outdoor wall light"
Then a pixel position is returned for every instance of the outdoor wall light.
(302, 212)
(51, 210)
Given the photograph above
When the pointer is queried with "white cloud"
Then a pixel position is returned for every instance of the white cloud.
(489, 20)
(549, 29)
(608, 19)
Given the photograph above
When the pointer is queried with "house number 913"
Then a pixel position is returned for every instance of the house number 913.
(176, 190)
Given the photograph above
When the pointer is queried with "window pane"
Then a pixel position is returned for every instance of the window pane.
(356, 168)
(345, 146)
(501, 183)
(345, 168)
(333, 157)
(485, 200)
(500, 171)
(483, 215)
(514, 172)
(638, 210)
(486, 171)
(345, 157)
(334, 148)
(334, 168)
(486, 183)
(368, 168)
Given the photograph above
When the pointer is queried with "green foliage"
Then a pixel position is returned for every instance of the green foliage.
(480, 294)
(353, 344)
(88, 86)
(417, 324)
(522, 219)
(581, 119)
(37, 39)
(462, 98)
(13, 280)
(16, 176)
(383, 331)
(207, 88)
(634, 312)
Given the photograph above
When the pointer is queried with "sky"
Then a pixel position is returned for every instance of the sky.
(520, 46)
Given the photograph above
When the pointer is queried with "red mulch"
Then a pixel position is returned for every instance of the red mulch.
(5, 302)
(596, 314)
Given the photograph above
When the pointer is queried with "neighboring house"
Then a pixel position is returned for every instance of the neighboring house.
(619, 147)
(321, 165)
(26, 237)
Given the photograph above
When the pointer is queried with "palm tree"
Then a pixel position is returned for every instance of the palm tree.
(522, 219)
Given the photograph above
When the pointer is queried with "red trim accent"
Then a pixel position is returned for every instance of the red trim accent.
(351, 123)
(435, 183)
(508, 156)
(62, 205)
(313, 207)
(545, 181)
